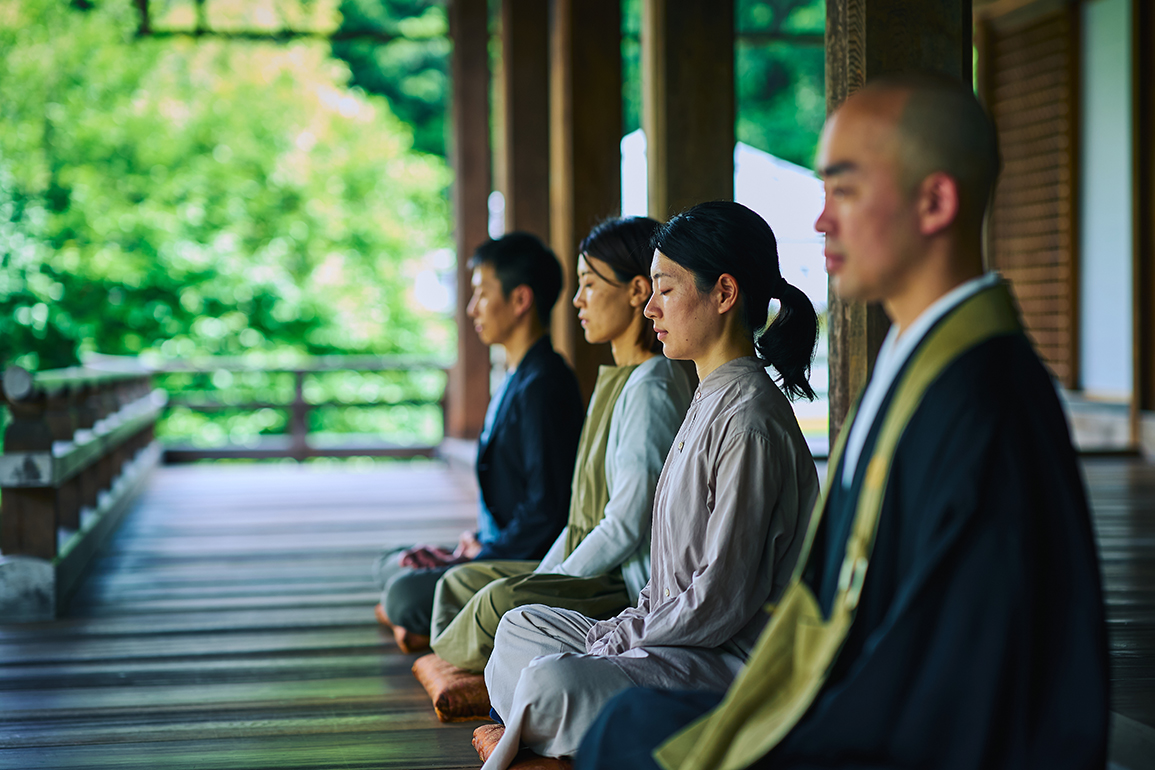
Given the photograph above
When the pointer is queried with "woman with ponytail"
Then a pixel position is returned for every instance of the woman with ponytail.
(731, 506)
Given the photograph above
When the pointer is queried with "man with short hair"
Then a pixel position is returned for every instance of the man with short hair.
(526, 452)
(947, 611)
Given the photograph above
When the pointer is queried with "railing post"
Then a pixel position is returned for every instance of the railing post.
(28, 514)
(108, 407)
(60, 416)
(88, 414)
(299, 421)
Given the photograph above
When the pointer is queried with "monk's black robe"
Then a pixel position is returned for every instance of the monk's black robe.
(979, 639)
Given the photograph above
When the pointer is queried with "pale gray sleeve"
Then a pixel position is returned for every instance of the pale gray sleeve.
(744, 536)
(648, 416)
(603, 631)
(553, 557)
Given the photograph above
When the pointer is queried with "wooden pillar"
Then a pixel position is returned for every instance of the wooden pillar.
(865, 38)
(585, 152)
(468, 387)
(688, 103)
(525, 109)
(1143, 213)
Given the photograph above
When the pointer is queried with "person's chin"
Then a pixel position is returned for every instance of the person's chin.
(846, 290)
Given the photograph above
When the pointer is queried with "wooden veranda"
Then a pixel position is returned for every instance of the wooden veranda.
(229, 625)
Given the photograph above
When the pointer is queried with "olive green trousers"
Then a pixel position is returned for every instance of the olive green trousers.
(471, 598)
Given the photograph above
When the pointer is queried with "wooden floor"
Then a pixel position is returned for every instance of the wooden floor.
(1123, 503)
(229, 625)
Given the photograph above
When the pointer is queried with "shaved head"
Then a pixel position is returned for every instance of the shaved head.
(908, 164)
(940, 127)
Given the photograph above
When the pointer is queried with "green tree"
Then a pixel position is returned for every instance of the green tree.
(780, 78)
(202, 197)
(400, 50)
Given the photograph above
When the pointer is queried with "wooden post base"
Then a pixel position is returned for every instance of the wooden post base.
(27, 589)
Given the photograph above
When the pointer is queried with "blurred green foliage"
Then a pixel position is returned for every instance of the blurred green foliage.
(201, 197)
(780, 76)
(406, 60)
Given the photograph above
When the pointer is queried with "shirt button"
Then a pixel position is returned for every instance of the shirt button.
(667, 592)
(680, 445)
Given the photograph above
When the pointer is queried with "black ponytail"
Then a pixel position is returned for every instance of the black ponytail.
(788, 343)
(726, 237)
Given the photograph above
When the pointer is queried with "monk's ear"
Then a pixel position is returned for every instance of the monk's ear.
(639, 289)
(938, 203)
(726, 292)
(522, 299)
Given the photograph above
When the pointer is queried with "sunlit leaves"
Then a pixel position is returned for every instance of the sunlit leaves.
(201, 197)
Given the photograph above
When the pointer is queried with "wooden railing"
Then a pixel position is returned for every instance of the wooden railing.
(295, 442)
(80, 441)
(78, 446)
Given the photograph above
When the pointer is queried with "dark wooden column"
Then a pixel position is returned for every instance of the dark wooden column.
(524, 169)
(585, 151)
(468, 388)
(688, 103)
(1143, 212)
(865, 38)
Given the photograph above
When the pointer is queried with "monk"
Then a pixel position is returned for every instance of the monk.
(947, 610)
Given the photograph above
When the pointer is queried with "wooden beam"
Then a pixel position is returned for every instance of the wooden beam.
(468, 388)
(1143, 214)
(524, 168)
(585, 152)
(865, 38)
(688, 103)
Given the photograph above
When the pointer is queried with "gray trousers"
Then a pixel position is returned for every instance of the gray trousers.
(549, 691)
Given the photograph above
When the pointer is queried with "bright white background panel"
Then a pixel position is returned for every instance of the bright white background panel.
(1105, 240)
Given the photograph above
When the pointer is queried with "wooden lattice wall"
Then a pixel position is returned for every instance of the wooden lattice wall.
(1030, 81)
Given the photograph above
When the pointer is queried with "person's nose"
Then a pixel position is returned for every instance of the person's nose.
(651, 309)
(577, 298)
(824, 224)
(471, 308)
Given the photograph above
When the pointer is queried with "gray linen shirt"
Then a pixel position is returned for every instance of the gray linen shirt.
(730, 514)
(642, 427)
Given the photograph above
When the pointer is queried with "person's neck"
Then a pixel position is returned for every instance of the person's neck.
(940, 275)
(730, 347)
(520, 340)
(628, 348)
